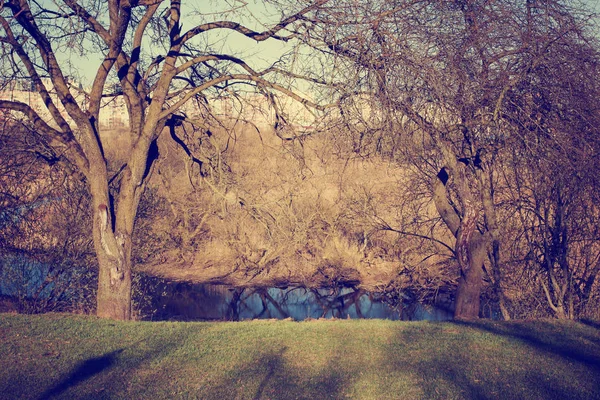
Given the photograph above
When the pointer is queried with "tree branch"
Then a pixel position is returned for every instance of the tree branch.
(56, 139)
(443, 206)
(242, 77)
(31, 70)
(258, 36)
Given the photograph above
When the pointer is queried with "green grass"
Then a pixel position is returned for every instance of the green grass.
(65, 356)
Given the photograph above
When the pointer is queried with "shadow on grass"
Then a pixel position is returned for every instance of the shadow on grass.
(273, 363)
(543, 336)
(564, 363)
(439, 363)
(82, 372)
(110, 374)
(545, 361)
(591, 323)
(278, 380)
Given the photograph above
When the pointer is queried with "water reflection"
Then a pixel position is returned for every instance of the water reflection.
(217, 302)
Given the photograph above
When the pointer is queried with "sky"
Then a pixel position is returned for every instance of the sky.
(258, 55)
(255, 14)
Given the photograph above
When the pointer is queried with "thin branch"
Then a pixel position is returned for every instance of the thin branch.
(55, 138)
(401, 232)
(242, 77)
(258, 36)
(32, 71)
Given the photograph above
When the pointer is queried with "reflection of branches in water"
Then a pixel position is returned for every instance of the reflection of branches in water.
(233, 313)
(287, 293)
(276, 305)
(321, 301)
(244, 306)
(264, 305)
(354, 298)
(334, 301)
(373, 298)
(405, 304)
(266, 297)
(238, 304)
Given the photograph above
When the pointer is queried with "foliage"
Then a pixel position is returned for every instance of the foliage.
(477, 98)
(46, 261)
(156, 70)
(461, 162)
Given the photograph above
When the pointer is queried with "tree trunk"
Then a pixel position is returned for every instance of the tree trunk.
(491, 222)
(471, 281)
(113, 251)
(467, 297)
(114, 295)
(470, 249)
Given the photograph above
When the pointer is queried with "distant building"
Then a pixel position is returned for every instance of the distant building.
(251, 107)
(113, 113)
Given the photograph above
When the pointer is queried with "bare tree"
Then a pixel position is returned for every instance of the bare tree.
(439, 75)
(46, 250)
(158, 67)
(551, 175)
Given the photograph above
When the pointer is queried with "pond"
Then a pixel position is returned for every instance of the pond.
(218, 302)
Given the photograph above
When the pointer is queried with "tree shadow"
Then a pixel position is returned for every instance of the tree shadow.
(441, 373)
(467, 366)
(273, 363)
(542, 336)
(590, 323)
(83, 371)
(100, 376)
(277, 379)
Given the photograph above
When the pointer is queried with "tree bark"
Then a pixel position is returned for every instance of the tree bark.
(491, 223)
(113, 245)
(471, 280)
(470, 249)
(114, 295)
(113, 251)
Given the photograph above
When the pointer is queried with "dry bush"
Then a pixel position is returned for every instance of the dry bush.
(261, 211)
(46, 255)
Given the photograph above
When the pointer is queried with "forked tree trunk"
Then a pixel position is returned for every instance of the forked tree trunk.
(470, 245)
(113, 251)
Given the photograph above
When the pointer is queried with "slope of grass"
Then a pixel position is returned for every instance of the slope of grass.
(65, 356)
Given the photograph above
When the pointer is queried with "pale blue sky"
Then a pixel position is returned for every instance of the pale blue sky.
(258, 55)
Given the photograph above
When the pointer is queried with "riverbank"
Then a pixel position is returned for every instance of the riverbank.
(66, 356)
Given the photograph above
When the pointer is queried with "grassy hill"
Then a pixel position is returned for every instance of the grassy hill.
(65, 356)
